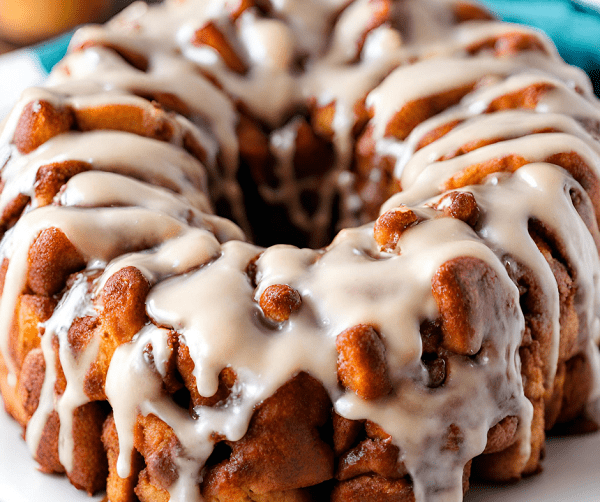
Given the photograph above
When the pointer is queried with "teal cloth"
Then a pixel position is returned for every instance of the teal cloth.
(52, 51)
(574, 28)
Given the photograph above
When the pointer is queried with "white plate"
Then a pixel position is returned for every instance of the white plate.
(20, 481)
(571, 474)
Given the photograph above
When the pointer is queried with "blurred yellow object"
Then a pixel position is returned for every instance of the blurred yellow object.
(29, 21)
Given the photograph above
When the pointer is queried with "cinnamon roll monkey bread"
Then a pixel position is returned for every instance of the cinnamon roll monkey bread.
(284, 251)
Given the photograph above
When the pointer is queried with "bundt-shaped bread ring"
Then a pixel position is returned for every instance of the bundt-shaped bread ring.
(152, 347)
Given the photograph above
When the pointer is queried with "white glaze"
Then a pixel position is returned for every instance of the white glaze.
(196, 262)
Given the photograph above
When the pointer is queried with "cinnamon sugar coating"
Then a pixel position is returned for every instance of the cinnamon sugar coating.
(51, 177)
(502, 435)
(391, 224)
(52, 246)
(282, 435)
(147, 348)
(39, 122)
(117, 488)
(372, 456)
(210, 36)
(465, 11)
(185, 367)
(460, 205)
(464, 290)
(279, 301)
(31, 312)
(124, 314)
(361, 364)
(135, 59)
(417, 111)
(507, 44)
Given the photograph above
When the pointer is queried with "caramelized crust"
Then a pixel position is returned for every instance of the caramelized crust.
(508, 44)
(185, 366)
(279, 301)
(150, 121)
(345, 433)
(51, 177)
(465, 291)
(436, 134)
(47, 453)
(90, 465)
(52, 246)
(460, 205)
(238, 7)
(25, 336)
(379, 457)
(582, 172)
(123, 315)
(321, 161)
(124, 296)
(313, 154)
(146, 491)
(281, 451)
(135, 59)
(31, 380)
(501, 435)
(211, 36)
(39, 122)
(380, 14)
(373, 190)
(508, 464)
(361, 364)
(390, 226)
(526, 98)
(89, 458)
(476, 173)
(14, 396)
(12, 211)
(373, 488)
(419, 110)
(254, 149)
(465, 11)
(119, 489)
(159, 446)
(575, 386)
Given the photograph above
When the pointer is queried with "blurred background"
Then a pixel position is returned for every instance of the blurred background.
(574, 25)
(25, 22)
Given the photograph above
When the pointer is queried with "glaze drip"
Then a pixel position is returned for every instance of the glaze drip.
(382, 96)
